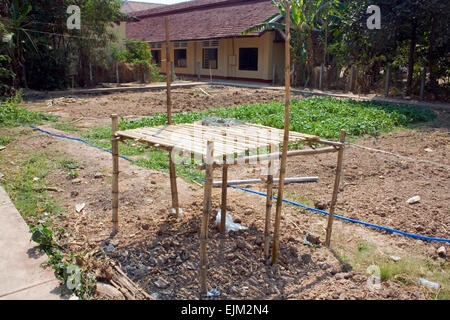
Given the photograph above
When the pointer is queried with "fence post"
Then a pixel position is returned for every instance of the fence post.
(321, 76)
(274, 71)
(91, 75)
(387, 81)
(351, 77)
(422, 83)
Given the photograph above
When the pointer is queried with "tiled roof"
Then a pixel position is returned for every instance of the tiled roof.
(133, 6)
(200, 19)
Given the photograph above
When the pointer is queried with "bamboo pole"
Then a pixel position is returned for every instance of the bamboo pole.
(336, 189)
(223, 211)
(172, 170)
(173, 183)
(276, 235)
(205, 218)
(168, 78)
(115, 180)
(269, 201)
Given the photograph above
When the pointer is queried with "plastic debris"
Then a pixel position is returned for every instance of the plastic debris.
(80, 207)
(306, 242)
(413, 200)
(430, 284)
(213, 293)
(428, 150)
(395, 258)
(229, 224)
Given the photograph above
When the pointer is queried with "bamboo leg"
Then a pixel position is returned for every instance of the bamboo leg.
(336, 189)
(173, 183)
(276, 234)
(223, 209)
(269, 201)
(206, 212)
(168, 77)
(115, 181)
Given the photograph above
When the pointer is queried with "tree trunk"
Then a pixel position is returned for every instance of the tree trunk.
(412, 50)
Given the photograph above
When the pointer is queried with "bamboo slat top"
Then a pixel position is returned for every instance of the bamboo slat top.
(193, 137)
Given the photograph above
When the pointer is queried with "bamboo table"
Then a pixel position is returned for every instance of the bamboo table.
(220, 146)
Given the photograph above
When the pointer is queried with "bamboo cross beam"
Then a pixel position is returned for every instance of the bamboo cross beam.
(270, 156)
(219, 184)
(115, 180)
(276, 234)
(335, 189)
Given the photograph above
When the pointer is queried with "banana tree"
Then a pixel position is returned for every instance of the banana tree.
(20, 41)
(307, 16)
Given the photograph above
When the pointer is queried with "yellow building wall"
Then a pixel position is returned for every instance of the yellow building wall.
(228, 58)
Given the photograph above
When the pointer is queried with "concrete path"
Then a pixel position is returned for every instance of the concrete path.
(21, 274)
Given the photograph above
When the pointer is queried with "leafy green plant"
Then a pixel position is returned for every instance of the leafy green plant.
(11, 115)
(65, 266)
(73, 174)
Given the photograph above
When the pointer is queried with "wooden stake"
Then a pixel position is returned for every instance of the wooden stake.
(276, 234)
(115, 180)
(269, 201)
(223, 210)
(205, 218)
(336, 189)
(173, 183)
(168, 75)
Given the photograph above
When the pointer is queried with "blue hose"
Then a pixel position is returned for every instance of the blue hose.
(265, 195)
(348, 219)
(76, 139)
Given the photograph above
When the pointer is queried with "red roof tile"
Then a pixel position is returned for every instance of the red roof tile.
(133, 6)
(200, 19)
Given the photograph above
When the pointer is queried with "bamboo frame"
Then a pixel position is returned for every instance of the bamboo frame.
(115, 180)
(207, 202)
(335, 189)
(276, 233)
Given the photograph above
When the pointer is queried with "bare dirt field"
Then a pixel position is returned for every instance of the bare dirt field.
(160, 252)
(151, 102)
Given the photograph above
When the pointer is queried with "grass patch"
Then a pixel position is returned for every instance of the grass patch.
(406, 271)
(27, 188)
(11, 115)
(65, 126)
(4, 140)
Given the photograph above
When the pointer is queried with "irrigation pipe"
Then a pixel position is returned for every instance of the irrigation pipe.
(265, 195)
